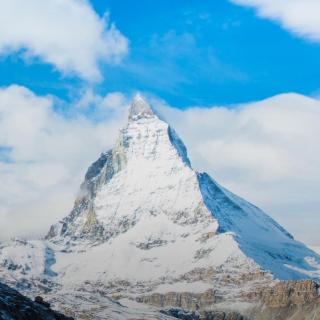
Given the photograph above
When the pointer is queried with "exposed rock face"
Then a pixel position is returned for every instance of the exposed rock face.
(288, 293)
(220, 315)
(140, 109)
(184, 300)
(207, 315)
(294, 300)
(15, 306)
(306, 312)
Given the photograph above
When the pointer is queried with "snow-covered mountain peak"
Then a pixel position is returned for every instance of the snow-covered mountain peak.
(140, 108)
(142, 205)
(142, 173)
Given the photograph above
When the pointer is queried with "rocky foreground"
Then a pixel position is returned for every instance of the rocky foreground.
(15, 306)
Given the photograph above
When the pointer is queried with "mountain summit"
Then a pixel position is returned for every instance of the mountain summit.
(140, 108)
(146, 225)
(151, 216)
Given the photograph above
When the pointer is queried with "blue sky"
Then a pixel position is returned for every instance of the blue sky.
(188, 53)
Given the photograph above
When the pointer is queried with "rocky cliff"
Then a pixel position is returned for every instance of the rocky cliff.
(294, 300)
(291, 293)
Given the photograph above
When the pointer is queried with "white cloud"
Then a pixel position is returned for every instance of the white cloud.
(65, 33)
(301, 17)
(316, 249)
(103, 105)
(268, 152)
(49, 155)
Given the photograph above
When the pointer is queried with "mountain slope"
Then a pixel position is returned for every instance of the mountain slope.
(259, 236)
(143, 203)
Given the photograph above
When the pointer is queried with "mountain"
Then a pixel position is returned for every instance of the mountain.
(143, 196)
(146, 226)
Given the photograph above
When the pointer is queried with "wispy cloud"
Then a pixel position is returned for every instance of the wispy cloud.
(65, 33)
(267, 152)
(301, 17)
(49, 153)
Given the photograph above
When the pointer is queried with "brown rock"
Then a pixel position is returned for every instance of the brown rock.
(286, 293)
(184, 300)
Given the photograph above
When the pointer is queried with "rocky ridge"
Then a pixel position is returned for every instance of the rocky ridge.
(294, 300)
(15, 306)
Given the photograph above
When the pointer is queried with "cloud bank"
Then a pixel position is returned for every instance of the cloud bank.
(267, 152)
(44, 156)
(65, 33)
(300, 17)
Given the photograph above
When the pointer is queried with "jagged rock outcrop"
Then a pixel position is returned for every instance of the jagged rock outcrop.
(15, 306)
(207, 315)
(184, 300)
(221, 315)
(288, 293)
(294, 300)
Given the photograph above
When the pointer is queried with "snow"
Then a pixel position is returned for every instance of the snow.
(28, 257)
(315, 249)
(259, 236)
(85, 305)
(122, 259)
(154, 179)
(313, 272)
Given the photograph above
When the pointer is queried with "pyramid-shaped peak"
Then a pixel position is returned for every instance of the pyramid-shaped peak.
(140, 108)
